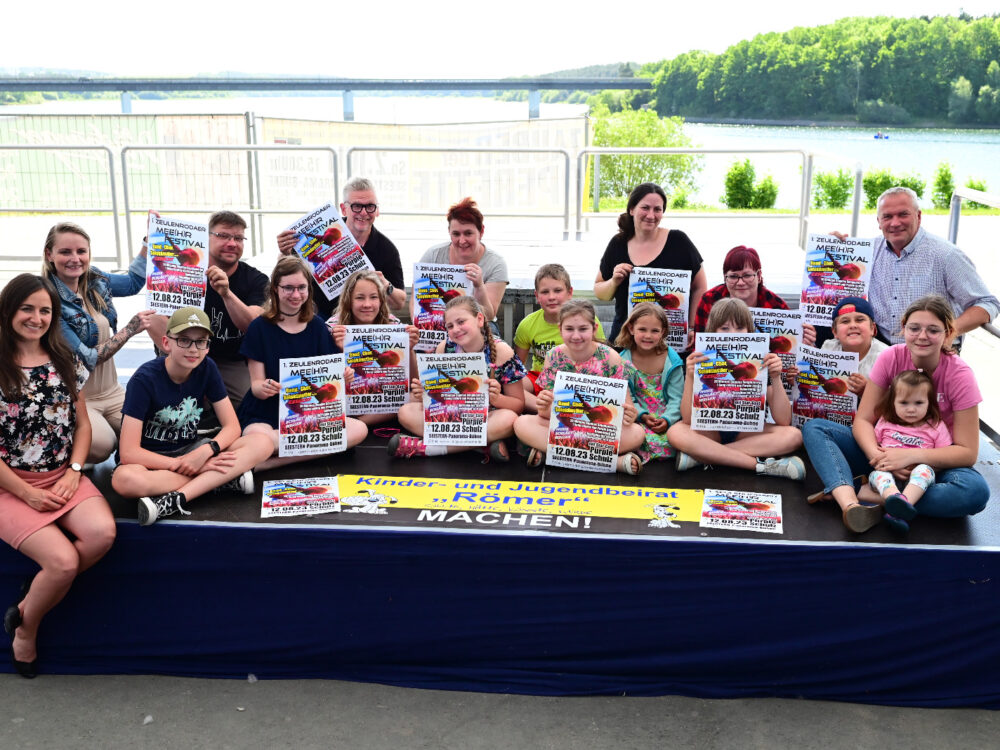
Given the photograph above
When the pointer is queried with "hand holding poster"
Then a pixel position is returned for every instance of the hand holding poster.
(784, 327)
(329, 249)
(176, 260)
(456, 398)
(300, 497)
(380, 358)
(730, 386)
(434, 285)
(670, 290)
(311, 406)
(835, 269)
(741, 511)
(821, 389)
(586, 425)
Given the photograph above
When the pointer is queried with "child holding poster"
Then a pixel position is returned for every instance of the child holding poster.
(854, 330)
(469, 331)
(655, 374)
(364, 303)
(739, 449)
(579, 353)
(163, 462)
(288, 328)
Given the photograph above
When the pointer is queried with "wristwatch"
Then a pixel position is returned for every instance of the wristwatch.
(76, 467)
(389, 289)
(216, 450)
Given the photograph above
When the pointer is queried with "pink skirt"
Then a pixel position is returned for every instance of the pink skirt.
(18, 520)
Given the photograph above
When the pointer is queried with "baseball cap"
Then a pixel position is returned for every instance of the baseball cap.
(854, 304)
(188, 317)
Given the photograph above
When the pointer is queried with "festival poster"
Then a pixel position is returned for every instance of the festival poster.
(730, 388)
(329, 249)
(670, 290)
(379, 356)
(300, 497)
(311, 406)
(176, 262)
(456, 398)
(835, 269)
(785, 330)
(585, 427)
(741, 511)
(821, 387)
(434, 285)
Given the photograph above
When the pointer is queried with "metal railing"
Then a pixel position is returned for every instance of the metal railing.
(255, 203)
(987, 199)
(805, 195)
(113, 208)
(463, 150)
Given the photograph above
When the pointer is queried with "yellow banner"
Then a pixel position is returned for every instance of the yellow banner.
(460, 495)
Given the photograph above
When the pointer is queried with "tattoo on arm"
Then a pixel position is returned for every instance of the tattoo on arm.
(110, 347)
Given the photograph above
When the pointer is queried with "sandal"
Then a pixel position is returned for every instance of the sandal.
(859, 518)
(535, 458)
(629, 463)
(822, 496)
(497, 450)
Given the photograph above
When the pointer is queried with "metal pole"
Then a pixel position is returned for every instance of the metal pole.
(566, 199)
(597, 183)
(126, 102)
(348, 106)
(856, 204)
(125, 203)
(580, 160)
(956, 212)
(253, 179)
(534, 104)
(807, 174)
(114, 204)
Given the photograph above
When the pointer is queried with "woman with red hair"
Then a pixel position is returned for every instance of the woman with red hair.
(486, 269)
(744, 281)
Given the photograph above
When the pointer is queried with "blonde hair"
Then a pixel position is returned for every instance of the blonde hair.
(84, 291)
(345, 312)
(626, 340)
(473, 307)
(729, 310)
(937, 306)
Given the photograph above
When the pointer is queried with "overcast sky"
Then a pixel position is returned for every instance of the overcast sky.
(395, 39)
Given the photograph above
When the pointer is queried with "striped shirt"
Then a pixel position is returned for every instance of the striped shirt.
(928, 265)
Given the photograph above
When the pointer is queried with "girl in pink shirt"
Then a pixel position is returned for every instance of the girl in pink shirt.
(908, 417)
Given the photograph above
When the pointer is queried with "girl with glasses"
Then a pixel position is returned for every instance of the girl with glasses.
(839, 453)
(288, 328)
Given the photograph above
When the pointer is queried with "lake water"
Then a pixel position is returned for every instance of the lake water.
(972, 153)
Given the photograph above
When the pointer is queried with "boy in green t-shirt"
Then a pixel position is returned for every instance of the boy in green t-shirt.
(539, 331)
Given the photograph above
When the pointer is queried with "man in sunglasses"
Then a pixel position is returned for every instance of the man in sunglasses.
(360, 209)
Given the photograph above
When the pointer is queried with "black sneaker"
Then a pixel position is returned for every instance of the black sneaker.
(153, 508)
(243, 484)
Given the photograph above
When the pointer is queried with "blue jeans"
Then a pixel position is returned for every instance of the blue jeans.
(837, 459)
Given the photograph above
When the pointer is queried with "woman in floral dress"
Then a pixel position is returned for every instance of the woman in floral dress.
(48, 510)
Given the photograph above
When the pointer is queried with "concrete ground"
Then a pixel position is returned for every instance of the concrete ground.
(167, 712)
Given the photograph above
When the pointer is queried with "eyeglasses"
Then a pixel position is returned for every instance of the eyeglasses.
(914, 330)
(290, 290)
(185, 343)
(226, 237)
(746, 278)
(359, 207)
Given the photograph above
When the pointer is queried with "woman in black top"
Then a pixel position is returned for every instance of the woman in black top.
(641, 241)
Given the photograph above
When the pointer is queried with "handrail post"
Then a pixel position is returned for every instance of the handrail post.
(126, 204)
(807, 176)
(114, 203)
(856, 203)
(956, 212)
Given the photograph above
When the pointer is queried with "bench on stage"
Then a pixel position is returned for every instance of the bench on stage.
(504, 605)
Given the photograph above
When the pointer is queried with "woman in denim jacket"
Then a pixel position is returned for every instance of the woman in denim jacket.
(89, 323)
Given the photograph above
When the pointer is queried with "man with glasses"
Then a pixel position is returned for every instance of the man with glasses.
(235, 293)
(360, 209)
(910, 262)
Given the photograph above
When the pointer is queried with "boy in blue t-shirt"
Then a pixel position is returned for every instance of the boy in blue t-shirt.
(163, 463)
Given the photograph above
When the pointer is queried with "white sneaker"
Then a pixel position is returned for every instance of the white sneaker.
(685, 462)
(789, 466)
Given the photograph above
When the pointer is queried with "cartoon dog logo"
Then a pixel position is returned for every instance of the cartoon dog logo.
(664, 516)
(367, 502)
